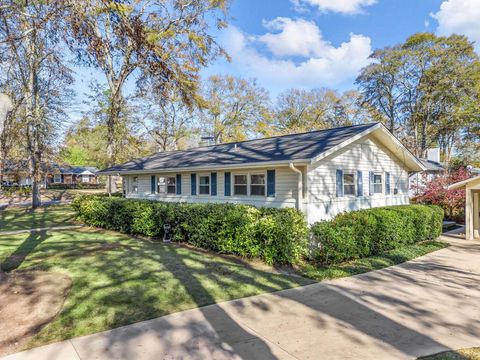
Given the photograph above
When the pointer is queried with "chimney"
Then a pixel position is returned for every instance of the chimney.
(433, 155)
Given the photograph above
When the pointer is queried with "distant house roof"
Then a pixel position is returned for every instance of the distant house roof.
(301, 147)
(49, 167)
(432, 165)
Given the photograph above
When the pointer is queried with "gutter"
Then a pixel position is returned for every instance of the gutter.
(300, 186)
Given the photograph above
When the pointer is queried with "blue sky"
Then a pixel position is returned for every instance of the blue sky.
(323, 43)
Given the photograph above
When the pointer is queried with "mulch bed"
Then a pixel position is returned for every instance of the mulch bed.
(28, 302)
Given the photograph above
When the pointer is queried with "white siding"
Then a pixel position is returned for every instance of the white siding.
(285, 186)
(364, 155)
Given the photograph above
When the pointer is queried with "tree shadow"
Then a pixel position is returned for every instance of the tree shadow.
(15, 259)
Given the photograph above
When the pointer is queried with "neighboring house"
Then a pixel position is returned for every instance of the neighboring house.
(321, 172)
(17, 173)
(433, 168)
(472, 206)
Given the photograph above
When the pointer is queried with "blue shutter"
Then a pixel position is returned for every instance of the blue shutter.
(179, 184)
(228, 184)
(213, 186)
(371, 180)
(359, 183)
(193, 183)
(153, 184)
(339, 182)
(387, 183)
(271, 183)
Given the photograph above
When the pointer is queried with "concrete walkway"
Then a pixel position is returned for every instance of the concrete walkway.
(423, 306)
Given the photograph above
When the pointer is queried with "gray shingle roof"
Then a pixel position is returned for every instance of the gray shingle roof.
(431, 165)
(292, 147)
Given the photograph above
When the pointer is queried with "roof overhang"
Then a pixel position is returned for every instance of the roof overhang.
(390, 142)
(464, 183)
(207, 168)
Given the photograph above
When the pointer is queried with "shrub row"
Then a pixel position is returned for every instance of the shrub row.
(20, 190)
(369, 232)
(277, 236)
(82, 186)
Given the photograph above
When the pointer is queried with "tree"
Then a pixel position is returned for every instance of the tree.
(421, 87)
(436, 192)
(158, 41)
(234, 109)
(167, 120)
(37, 77)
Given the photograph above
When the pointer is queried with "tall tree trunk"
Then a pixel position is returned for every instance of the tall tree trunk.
(113, 117)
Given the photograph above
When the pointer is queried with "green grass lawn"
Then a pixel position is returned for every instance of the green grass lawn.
(21, 218)
(389, 258)
(119, 280)
(462, 354)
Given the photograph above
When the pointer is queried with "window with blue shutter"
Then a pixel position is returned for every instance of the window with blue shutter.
(153, 184)
(213, 185)
(387, 183)
(339, 182)
(193, 183)
(271, 183)
(371, 182)
(359, 183)
(228, 184)
(179, 184)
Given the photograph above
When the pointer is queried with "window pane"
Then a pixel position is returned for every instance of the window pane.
(377, 179)
(377, 188)
(240, 189)
(348, 179)
(204, 180)
(258, 179)
(257, 190)
(241, 179)
(204, 189)
(349, 189)
(171, 181)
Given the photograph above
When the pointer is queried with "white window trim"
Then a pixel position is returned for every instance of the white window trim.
(355, 190)
(166, 177)
(133, 184)
(375, 173)
(209, 184)
(249, 184)
(59, 179)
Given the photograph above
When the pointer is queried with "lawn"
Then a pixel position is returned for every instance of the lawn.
(119, 280)
(462, 354)
(21, 218)
(389, 258)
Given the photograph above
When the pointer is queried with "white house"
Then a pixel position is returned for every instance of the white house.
(472, 206)
(321, 172)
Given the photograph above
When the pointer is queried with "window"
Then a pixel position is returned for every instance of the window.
(57, 178)
(204, 187)
(161, 185)
(257, 184)
(135, 184)
(240, 184)
(171, 185)
(85, 179)
(377, 184)
(348, 184)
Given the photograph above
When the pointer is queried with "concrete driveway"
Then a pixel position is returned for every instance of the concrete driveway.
(424, 306)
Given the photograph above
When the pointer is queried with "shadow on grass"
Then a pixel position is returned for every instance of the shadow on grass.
(15, 259)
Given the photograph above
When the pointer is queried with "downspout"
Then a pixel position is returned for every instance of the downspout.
(300, 187)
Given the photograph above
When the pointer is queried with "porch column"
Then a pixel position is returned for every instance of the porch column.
(475, 213)
(468, 214)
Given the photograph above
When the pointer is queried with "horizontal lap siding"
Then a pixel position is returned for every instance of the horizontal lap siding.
(285, 183)
(364, 155)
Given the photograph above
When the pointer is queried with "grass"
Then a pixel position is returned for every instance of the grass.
(22, 218)
(393, 257)
(119, 280)
(462, 354)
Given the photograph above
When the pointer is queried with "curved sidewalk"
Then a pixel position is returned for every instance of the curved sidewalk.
(420, 307)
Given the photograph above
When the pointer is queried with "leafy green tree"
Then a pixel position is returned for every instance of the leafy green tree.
(165, 42)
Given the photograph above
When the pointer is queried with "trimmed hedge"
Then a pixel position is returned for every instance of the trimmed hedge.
(80, 186)
(369, 232)
(277, 236)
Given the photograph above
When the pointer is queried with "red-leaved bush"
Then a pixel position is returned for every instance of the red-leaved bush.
(436, 192)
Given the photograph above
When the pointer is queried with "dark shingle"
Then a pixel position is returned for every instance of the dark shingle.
(292, 147)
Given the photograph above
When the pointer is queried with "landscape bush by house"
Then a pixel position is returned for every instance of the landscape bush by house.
(80, 186)
(16, 190)
(277, 236)
(369, 232)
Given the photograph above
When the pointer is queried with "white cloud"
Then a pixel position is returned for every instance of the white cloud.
(460, 17)
(321, 64)
(296, 37)
(338, 6)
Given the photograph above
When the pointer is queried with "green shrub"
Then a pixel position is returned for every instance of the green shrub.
(278, 236)
(80, 186)
(373, 231)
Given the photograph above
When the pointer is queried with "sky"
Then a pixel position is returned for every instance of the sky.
(322, 43)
